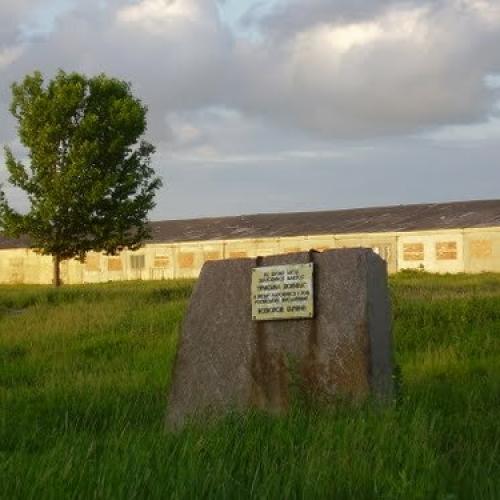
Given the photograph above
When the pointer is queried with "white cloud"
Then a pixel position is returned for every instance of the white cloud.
(488, 11)
(406, 68)
(468, 135)
(328, 69)
(304, 102)
(393, 27)
(9, 55)
(157, 15)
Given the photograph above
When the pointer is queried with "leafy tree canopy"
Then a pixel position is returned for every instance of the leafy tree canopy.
(88, 174)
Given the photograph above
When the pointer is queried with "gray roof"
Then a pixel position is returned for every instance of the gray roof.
(453, 215)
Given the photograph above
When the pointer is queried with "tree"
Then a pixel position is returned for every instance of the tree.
(88, 176)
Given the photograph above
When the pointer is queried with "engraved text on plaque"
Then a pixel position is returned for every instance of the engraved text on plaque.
(282, 292)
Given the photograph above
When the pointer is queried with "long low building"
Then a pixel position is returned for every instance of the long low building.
(442, 238)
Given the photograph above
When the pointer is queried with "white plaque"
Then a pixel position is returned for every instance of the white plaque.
(282, 292)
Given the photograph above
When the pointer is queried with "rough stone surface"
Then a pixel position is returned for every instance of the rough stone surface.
(228, 362)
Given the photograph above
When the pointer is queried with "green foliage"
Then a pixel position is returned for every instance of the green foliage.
(88, 177)
(84, 372)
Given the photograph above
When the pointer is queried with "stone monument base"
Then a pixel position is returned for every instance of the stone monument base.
(228, 361)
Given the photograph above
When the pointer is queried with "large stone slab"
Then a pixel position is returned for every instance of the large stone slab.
(226, 361)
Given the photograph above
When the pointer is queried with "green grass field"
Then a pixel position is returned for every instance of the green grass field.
(84, 373)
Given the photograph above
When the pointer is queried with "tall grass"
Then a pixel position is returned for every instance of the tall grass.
(84, 373)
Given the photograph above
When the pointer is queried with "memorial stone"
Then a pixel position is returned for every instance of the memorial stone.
(247, 342)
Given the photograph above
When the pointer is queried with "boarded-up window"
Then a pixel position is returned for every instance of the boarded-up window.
(212, 256)
(17, 270)
(161, 261)
(115, 264)
(16, 262)
(446, 250)
(237, 255)
(137, 261)
(481, 249)
(93, 262)
(186, 260)
(413, 251)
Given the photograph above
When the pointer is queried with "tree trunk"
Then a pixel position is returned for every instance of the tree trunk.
(57, 271)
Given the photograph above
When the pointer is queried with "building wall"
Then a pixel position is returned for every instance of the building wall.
(481, 250)
(435, 252)
(444, 251)
(385, 244)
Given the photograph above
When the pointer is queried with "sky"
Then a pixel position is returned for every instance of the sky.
(284, 105)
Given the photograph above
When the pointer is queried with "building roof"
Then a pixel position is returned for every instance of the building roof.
(453, 215)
